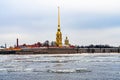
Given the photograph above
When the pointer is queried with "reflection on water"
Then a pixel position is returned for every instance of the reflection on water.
(60, 67)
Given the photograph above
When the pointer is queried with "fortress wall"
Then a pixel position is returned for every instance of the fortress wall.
(73, 50)
(63, 51)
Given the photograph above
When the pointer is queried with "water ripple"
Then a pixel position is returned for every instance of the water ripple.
(77, 70)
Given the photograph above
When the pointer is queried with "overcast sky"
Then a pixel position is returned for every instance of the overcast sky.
(83, 21)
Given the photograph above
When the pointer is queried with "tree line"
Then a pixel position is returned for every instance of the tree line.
(96, 46)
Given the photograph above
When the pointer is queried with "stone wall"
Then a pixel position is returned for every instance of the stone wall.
(63, 51)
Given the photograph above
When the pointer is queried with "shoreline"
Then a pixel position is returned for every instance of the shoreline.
(35, 51)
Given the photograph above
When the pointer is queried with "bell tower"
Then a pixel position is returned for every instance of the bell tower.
(59, 34)
(67, 41)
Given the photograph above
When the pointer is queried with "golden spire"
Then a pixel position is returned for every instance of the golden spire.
(59, 34)
(58, 17)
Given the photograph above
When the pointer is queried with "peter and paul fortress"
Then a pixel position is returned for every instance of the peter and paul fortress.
(56, 47)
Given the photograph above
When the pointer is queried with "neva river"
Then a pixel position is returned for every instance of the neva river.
(60, 67)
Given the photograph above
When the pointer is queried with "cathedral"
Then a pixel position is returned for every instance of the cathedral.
(59, 34)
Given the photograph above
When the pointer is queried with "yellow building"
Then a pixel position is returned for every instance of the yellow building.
(59, 33)
(66, 41)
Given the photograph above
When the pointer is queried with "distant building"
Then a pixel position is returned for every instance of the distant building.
(66, 41)
(53, 44)
(38, 44)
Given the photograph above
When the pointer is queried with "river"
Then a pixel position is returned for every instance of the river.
(98, 66)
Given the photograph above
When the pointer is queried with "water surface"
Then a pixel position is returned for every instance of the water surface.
(60, 67)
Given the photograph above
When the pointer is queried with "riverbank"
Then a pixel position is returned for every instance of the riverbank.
(61, 50)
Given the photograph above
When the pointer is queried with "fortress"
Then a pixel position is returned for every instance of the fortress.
(56, 43)
(57, 48)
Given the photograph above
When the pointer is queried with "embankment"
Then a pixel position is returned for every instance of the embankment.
(61, 51)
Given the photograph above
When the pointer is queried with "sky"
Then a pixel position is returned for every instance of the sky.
(85, 22)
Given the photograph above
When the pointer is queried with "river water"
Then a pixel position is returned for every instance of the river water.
(60, 67)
